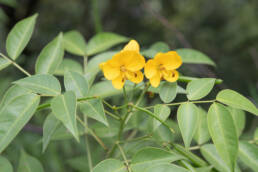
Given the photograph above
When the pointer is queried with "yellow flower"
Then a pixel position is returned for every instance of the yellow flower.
(163, 66)
(125, 65)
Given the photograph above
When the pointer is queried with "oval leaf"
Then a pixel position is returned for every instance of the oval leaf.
(5, 165)
(248, 153)
(76, 82)
(202, 134)
(74, 43)
(94, 109)
(64, 109)
(44, 84)
(166, 168)
(110, 165)
(236, 100)
(156, 48)
(168, 91)
(199, 88)
(194, 57)
(152, 156)
(50, 57)
(19, 36)
(14, 115)
(49, 127)
(210, 154)
(162, 112)
(29, 164)
(223, 133)
(238, 118)
(104, 41)
(187, 117)
(70, 65)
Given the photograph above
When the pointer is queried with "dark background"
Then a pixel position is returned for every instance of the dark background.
(225, 30)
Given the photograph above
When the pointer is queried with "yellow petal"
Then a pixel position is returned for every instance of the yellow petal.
(132, 46)
(118, 82)
(170, 76)
(170, 60)
(155, 80)
(101, 65)
(131, 60)
(110, 71)
(150, 68)
(135, 77)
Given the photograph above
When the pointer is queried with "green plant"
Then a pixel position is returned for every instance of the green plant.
(137, 134)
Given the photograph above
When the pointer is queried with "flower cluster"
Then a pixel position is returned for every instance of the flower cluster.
(128, 63)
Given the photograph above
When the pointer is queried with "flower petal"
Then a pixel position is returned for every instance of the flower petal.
(118, 82)
(110, 71)
(155, 80)
(132, 46)
(170, 75)
(135, 77)
(131, 60)
(170, 60)
(150, 68)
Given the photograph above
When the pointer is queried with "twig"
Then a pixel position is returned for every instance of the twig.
(124, 157)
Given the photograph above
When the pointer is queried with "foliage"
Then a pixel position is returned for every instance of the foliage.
(120, 130)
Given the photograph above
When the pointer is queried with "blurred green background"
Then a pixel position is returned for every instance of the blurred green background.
(225, 30)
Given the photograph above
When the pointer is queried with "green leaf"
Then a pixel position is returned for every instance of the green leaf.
(12, 93)
(19, 36)
(70, 65)
(104, 41)
(29, 164)
(202, 133)
(256, 134)
(223, 133)
(168, 91)
(64, 109)
(204, 169)
(94, 109)
(156, 48)
(236, 100)
(192, 157)
(74, 43)
(152, 156)
(194, 57)
(210, 154)
(76, 82)
(44, 84)
(4, 63)
(165, 168)
(14, 114)
(199, 88)
(238, 118)
(162, 112)
(50, 57)
(5, 165)
(49, 127)
(248, 153)
(187, 117)
(110, 165)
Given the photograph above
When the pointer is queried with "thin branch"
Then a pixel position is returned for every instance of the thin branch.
(124, 157)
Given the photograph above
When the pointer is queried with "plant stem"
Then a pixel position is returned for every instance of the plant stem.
(16, 65)
(124, 157)
(88, 145)
(47, 105)
(179, 103)
(112, 115)
(96, 16)
(93, 134)
(85, 62)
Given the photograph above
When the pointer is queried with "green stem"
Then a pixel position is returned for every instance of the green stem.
(153, 116)
(96, 16)
(88, 145)
(47, 105)
(136, 139)
(16, 65)
(124, 157)
(85, 62)
(179, 103)
(112, 115)
(93, 134)
(139, 100)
